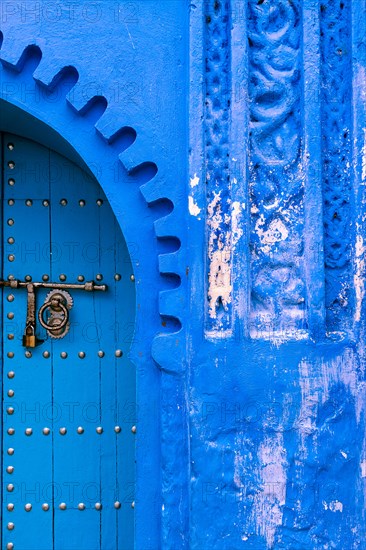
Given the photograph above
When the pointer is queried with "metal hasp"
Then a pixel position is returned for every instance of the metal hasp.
(58, 303)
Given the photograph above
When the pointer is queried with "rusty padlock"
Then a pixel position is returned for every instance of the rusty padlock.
(29, 337)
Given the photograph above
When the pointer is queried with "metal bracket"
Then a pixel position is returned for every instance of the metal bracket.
(58, 303)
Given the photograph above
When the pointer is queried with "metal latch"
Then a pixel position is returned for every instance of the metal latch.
(57, 303)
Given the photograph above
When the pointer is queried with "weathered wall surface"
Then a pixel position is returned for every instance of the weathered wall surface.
(277, 367)
(229, 138)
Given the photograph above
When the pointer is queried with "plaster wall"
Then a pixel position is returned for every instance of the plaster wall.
(229, 139)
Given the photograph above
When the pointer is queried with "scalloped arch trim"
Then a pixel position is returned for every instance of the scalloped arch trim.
(167, 347)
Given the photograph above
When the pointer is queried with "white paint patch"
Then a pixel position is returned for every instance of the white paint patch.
(268, 504)
(336, 506)
(194, 181)
(275, 233)
(238, 468)
(343, 295)
(317, 379)
(358, 278)
(306, 421)
(194, 210)
(220, 287)
(273, 205)
(364, 156)
(235, 222)
(219, 251)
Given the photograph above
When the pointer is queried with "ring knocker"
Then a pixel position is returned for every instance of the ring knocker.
(58, 303)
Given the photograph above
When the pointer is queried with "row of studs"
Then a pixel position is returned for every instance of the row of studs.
(29, 202)
(10, 411)
(10, 221)
(45, 507)
(62, 277)
(45, 277)
(46, 202)
(11, 374)
(63, 431)
(63, 354)
(81, 506)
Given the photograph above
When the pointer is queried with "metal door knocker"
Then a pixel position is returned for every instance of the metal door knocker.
(58, 305)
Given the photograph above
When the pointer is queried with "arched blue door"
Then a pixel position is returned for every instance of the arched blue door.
(68, 464)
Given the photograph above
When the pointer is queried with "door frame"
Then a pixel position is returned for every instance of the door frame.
(136, 191)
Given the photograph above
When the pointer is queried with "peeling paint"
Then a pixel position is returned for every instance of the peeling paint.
(333, 506)
(236, 222)
(219, 251)
(194, 181)
(306, 422)
(222, 245)
(268, 505)
(316, 382)
(275, 233)
(220, 287)
(364, 157)
(358, 278)
(194, 209)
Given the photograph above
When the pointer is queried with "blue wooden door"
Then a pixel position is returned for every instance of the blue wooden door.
(69, 403)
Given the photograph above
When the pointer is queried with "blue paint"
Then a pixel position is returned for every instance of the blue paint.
(73, 233)
(276, 184)
(251, 422)
(335, 26)
(218, 182)
(151, 224)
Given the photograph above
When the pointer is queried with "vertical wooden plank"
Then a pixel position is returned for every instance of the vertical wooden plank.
(2, 491)
(75, 253)
(126, 395)
(108, 386)
(26, 372)
(118, 400)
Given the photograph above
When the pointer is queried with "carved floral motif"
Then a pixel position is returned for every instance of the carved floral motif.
(276, 180)
(336, 99)
(217, 128)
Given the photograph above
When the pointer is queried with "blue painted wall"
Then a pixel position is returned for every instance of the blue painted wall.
(229, 139)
